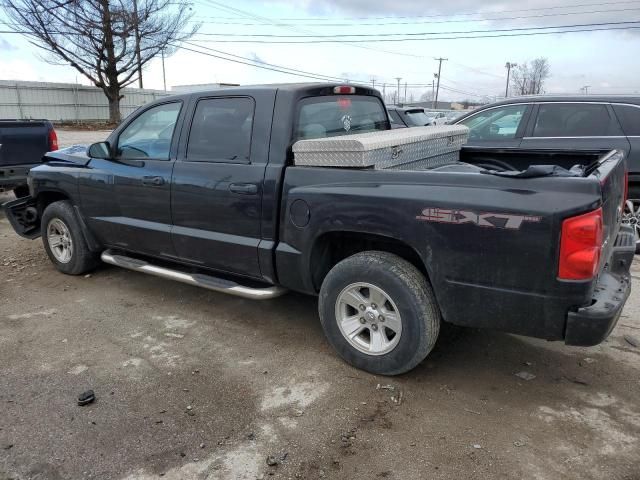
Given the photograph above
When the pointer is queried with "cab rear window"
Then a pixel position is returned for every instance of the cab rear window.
(334, 115)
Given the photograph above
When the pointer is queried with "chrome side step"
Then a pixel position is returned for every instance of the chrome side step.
(197, 279)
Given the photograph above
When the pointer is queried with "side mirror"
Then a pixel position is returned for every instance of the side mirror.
(100, 150)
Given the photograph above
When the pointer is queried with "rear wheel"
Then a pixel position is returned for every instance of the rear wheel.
(379, 312)
(631, 215)
(63, 240)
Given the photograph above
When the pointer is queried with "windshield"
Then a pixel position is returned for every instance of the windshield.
(334, 115)
(417, 117)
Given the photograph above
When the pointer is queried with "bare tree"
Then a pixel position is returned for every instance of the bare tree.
(426, 96)
(528, 78)
(107, 41)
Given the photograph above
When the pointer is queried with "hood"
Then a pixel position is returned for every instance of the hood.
(76, 154)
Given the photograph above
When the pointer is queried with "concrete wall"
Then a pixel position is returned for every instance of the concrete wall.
(66, 102)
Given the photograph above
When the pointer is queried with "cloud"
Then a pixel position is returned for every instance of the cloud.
(533, 12)
(254, 56)
(6, 46)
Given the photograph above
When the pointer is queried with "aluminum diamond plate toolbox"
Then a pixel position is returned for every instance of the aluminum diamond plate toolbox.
(430, 162)
(381, 149)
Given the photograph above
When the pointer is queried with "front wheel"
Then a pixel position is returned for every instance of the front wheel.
(379, 312)
(63, 240)
(631, 215)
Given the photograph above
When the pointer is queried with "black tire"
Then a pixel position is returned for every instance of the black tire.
(82, 260)
(21, 191)
(634, 196)
(412, 295)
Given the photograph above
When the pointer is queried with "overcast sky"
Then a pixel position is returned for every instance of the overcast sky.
(605, 60)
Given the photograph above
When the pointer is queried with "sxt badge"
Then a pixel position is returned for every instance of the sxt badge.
(488, 219)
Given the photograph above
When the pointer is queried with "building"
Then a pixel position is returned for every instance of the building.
(66, 102)
(199, 87)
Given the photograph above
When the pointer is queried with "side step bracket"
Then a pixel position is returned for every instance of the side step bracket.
(196, 279)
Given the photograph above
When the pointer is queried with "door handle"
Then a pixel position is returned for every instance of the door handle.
(153, 181)
(244, 188)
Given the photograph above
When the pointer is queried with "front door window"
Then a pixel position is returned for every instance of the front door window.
(149, 135)
(500, 123)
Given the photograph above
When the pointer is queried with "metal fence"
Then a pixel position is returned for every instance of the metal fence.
(66, 102)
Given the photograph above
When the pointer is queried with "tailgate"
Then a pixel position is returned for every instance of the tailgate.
(23, 143)
(611, 172)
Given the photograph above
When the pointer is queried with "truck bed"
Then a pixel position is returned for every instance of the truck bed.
(475, 233)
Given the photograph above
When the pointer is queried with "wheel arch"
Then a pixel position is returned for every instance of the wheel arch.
(47, 197)
(329, 248)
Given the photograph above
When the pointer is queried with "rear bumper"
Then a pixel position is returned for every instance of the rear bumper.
(23, 216)
(588, 326)
(14, 176)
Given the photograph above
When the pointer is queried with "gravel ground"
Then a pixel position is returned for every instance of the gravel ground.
(66, 138)
(192, 384)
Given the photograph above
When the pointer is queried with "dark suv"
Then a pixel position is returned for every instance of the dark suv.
(577, 123)
(401, 117)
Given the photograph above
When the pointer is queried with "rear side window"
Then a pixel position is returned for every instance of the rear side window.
(629, 117)
(418, 117)
(575, 120)
(221, 130)
(395, 118)
(333, 115)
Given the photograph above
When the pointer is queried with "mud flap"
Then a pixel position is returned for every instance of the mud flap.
(23, 216)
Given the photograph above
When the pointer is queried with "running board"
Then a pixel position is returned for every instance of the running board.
(197, 279)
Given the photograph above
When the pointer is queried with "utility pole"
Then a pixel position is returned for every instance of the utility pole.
(405, 92)
(433, 95)
(440, 60)
(398, 96)
(137, 35)
(508, 66)
(373, 82)
(164, 77)
(586, 89)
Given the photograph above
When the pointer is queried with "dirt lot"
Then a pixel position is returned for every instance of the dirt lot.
(192, 384)
(66, 138)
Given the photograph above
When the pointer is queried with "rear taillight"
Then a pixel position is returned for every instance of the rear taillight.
(53, 140)
(580, 246)
(344, 89)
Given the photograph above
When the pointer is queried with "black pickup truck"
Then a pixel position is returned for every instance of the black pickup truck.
(23, 143)
(203, 189)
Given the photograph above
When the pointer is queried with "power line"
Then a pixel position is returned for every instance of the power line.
(303, 72)
(631, 26)
(242, 13)
(417, 34)
(431, 22)
(272, 67)
(476, 70)
(556, 7)
(278, 68)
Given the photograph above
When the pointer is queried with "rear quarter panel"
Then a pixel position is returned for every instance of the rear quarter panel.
(495, 271)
